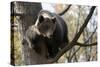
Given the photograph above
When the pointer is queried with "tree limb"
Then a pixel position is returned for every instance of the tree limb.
(74, 53)
(65, 10)
(72, 43)
(85, 45)
(91, 34)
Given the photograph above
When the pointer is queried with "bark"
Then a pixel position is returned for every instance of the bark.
(27, 14)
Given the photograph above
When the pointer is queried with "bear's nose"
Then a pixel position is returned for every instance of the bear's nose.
(51, 36)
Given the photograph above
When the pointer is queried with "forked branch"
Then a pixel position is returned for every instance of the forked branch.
(73, 42)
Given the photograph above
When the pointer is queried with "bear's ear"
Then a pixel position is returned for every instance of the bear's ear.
(41, 18)
(53, 19)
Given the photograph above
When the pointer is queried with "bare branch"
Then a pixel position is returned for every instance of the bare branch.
(91, 34)
(85, 24)
(72, 43)
(65, 10)
(74, 53)
(85, 45)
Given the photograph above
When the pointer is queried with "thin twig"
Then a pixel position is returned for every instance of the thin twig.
(85, 45)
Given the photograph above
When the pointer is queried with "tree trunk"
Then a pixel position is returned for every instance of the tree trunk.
(27, 14)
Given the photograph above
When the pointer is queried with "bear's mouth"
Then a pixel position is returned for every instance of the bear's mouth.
(36, 29)
(46, 35)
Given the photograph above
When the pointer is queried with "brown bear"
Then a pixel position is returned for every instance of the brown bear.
(54, 29)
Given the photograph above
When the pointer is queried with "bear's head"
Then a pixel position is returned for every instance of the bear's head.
(46, 25)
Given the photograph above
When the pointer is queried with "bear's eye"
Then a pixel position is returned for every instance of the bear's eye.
(41, 19)
(53, 19)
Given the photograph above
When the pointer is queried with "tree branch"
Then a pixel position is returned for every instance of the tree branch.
(65, 10)
(72, 43)
(85, 45)
(91, 34)
(74, 53)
